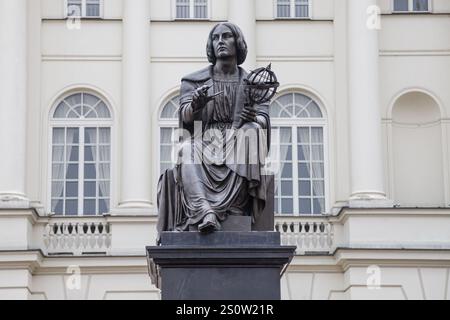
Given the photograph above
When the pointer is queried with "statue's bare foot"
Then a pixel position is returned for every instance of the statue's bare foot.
(210, 224)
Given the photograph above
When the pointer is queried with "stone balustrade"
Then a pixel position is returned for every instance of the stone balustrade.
(77, 237)
(311, 235)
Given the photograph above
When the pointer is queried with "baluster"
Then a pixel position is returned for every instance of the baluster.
(70, 236)
(101, 234)
(47, 236)
(108, 235)
(85, 236)
(92, 236)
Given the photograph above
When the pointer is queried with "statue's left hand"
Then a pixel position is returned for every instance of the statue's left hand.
(248, 114)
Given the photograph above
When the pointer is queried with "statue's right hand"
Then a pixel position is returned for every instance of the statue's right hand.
(200, 98)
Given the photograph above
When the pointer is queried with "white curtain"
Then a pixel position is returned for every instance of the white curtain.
(317, 169)
(183, 9)
(59, 175)
(283, 9)
(104, 168)
(278, 154)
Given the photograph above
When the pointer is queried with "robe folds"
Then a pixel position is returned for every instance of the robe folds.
(204, 181)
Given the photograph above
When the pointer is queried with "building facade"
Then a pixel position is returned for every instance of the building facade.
(88, 104)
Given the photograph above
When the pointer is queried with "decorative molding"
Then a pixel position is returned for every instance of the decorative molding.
(98, 58)
(414, 53)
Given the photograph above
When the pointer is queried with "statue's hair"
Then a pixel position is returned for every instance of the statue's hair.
(241, 45)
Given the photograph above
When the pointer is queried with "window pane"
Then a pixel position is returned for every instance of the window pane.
(72, 136)
(72, 189)
(58, 189)
(287, 206)
(57, 206)
(90, 153)
(286, 188)
(285, 135)
(93, 8)
(104, 171)
(72, 154)
(58, 154)
(170, 109)
(317, 153)
(71, 207)
(316, 135)
(301, 8)
(166, 153)
(305, 206)
(200, 9)
(104, 135)
(304, 188)
(72, 171)
(304, 170)
(89, 189)
(400, 5)
(103, 111)
(303, 135)
(58, 136)
(89, 171)
(286, 171)
(420, 5)
(283, 9)
(166, 135)
(90, 135)
(317, 170)
(103, 206)
(319, 206)
(58, 171)
(103, 189)
(303, 153)
(89, 207)
(61, 111)
(183, 9)
(319, 188)
(286, 153)
(104, 153)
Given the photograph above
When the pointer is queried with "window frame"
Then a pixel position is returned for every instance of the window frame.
(294, 124)
(292, 11)
(411, 8)
(192, 11)
(83, 10)
(82, 124)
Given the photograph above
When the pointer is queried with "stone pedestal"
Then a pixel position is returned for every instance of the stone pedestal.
(219, 266)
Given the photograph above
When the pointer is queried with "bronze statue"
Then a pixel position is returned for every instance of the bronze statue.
(219, 170)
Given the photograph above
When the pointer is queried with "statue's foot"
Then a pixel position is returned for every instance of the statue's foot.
(210, 224)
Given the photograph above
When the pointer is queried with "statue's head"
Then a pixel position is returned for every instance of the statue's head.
(235, 37)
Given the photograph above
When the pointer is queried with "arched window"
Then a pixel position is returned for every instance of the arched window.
(81, 156)
(298, 130)
(168, 121)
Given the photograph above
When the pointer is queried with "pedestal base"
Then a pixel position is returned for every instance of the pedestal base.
(220, 266)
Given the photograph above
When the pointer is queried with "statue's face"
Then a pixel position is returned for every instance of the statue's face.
(224, 43)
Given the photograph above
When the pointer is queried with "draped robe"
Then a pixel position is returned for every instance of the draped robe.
(204, 182)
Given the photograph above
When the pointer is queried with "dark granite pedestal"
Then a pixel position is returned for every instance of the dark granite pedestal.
(219, 266)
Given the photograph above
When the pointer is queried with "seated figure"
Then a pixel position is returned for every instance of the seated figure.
(219, 168)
